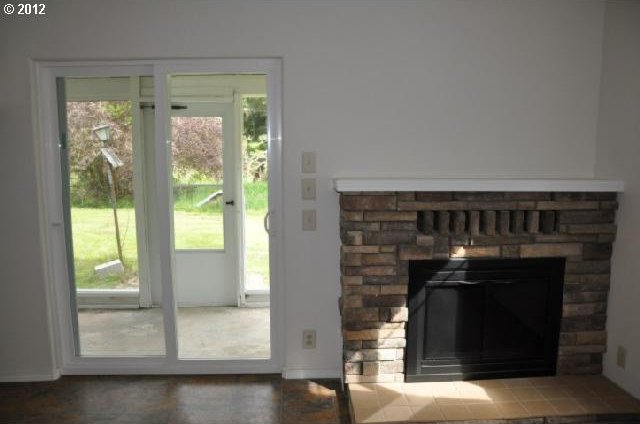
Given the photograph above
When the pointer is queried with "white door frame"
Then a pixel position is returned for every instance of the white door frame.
(44, 74)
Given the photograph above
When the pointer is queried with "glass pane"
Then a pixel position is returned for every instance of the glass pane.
(197, 152)
(256, 192)
(102, 214)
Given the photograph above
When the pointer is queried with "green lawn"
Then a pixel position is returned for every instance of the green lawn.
(94, 242)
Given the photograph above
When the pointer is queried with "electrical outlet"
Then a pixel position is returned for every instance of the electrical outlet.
(309, 220)
(308, 162)
(621, 358)
(308, 339)
(308, 189)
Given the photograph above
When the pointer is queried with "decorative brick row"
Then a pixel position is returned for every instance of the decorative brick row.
(474, 223)
(382, 232)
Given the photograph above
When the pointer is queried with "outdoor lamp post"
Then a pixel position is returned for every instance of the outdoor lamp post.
(102, 133)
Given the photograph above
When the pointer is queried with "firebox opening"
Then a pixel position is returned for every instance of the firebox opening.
(478, 318)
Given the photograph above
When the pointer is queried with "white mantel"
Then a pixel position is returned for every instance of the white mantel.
(477, 184)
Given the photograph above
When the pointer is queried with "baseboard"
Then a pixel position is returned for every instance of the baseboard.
(297, 374)
(289, 374)
(24, 378)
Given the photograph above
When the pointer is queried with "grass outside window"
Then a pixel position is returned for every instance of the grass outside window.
(94, 242)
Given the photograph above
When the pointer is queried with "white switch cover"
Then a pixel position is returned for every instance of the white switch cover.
(621, 357)
(308, 189)
(308, 339)
(308, 162)
(308, 219)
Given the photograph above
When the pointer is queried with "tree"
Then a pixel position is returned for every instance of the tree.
(255, 135)
(197, 148)
(89, 185)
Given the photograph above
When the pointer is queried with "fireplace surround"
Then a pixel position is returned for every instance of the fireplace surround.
(383, 231)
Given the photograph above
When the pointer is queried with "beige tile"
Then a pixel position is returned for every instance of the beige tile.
(517, 382)
(539, 408)
(420, 399)
(567, 406)
(579, 392)
(501, 395)
(456, 412)
(417, 388)
(472, 393)
(392, 401)
(392, 387)
(446, 393)
(467, 386)
(570, 380)
(362, 387)
(391, 395)
(551, 381)
(592, 379)
(594, 406)
(476, 400)
(607, 390)
(623, 404)
(427, 413)
(368, 399)
(511, 410)
(484, 412)
(443, 388)
(527, 393)
(489, 384)
(514, 398)
(397, 413)
(553, 392)
(450, 399)
(368, 415)
(416, 391)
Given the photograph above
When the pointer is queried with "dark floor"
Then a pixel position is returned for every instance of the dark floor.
(261, 399)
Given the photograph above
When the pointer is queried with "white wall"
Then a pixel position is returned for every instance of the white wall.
(618, 156)
(422, 88)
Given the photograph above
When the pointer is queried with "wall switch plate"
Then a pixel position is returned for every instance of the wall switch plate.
(621, 357)
(309, 220)
(308, 189)
(308, 339)
(308, 162)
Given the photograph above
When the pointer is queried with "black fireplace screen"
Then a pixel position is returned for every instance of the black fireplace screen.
(477, 318)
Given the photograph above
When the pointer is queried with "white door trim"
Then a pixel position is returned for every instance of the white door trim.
(141, 204)
(52, 223)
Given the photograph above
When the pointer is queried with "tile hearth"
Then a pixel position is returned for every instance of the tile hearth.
(591, 397)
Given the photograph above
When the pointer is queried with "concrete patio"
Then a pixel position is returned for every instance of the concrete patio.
(203, 332)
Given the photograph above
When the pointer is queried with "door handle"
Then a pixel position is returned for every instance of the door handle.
(265, 222)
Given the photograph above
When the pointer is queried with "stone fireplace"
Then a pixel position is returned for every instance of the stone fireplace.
(383, 231)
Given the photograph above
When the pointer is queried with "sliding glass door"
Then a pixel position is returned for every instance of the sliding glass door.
(168, 234)
(103, 192)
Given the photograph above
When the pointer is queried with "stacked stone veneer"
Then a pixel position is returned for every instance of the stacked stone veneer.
(381, 232)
